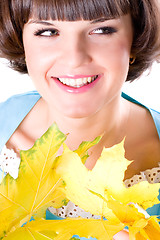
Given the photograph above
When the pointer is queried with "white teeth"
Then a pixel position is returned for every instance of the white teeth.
(79, 82)
(90, 79)
(72, 82)
(67, 81)
(64, 81)
(84, 80)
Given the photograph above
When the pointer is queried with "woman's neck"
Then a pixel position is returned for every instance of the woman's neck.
(110, 122)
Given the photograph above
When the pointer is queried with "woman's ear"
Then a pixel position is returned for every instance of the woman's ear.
(132, 59)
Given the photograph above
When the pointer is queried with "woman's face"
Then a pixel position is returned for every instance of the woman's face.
(78, 67)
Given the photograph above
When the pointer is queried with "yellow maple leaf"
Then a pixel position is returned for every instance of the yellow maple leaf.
(105, 179)
(95, 190)
(140, 226)
(36, 186)
(100, 191)
(65, 229)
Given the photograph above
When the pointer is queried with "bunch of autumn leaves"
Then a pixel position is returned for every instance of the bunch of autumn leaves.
(47, 180)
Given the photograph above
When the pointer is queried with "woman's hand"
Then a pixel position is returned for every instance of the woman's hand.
(122, 235)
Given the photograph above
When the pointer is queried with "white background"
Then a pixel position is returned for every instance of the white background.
(146, 89)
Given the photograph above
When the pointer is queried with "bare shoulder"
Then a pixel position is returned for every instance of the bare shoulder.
(142, 121)
(142, 142)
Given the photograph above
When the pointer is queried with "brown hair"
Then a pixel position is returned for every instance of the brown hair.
(145, 18)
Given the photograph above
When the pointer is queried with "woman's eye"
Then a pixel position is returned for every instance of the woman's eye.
(46, 33)
(104, 30)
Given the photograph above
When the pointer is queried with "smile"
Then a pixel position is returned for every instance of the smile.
(78, 82)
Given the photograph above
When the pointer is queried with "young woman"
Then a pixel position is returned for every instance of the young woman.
(79, 54)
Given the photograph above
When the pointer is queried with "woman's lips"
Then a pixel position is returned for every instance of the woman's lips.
(76, 84)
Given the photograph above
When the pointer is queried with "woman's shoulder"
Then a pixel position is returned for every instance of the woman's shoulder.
(143, 142)
(145, 121)
(144, 114)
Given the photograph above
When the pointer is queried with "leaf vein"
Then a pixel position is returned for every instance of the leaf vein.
(13, 202)
(41, 175)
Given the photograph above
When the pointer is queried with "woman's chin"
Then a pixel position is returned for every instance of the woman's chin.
(80, 112)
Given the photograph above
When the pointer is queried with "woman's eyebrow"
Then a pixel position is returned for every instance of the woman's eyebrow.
(41, 22)
(103, 19)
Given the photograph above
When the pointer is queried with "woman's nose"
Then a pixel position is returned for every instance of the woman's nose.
(75, 53)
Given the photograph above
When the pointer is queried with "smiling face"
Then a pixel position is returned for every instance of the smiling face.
(78, 67)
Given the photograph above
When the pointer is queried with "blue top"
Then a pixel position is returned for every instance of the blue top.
(14, 110)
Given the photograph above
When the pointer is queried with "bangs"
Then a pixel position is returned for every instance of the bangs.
(73, 10)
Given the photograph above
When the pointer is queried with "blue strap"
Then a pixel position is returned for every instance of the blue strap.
(13, 111)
